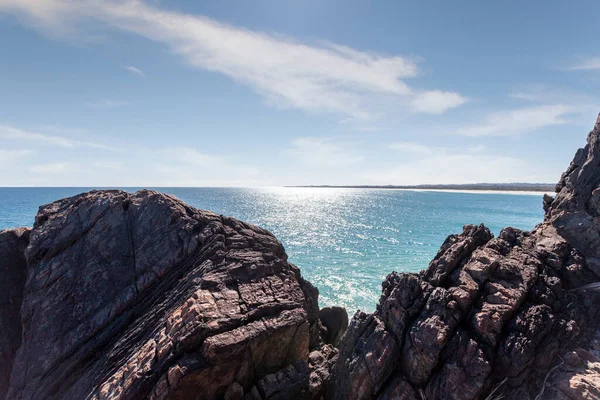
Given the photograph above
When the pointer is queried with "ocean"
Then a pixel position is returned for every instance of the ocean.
(344, 240)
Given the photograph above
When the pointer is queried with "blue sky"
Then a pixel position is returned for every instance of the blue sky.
(270, 93)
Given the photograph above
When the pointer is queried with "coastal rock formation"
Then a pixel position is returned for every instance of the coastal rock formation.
(490, 317)
(114, 295)
(13, 270)
(142, 296)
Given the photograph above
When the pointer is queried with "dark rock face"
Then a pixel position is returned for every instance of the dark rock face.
(141, 296)
(490, 316)
(13, 270)
(335, 320)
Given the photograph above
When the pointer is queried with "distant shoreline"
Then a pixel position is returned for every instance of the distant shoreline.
(484, 187)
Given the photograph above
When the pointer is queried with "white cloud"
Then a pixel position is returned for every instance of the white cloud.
(437, 101)
(134, 70)
(587, 64)
(9, 157)
(11, 133)
(149, 167)
(111, 165)
(51, 168)
(455, 168)
(324, 152)
(325, 77)
(423, 150)
(190, 155)
(519, 121)
(187, 164)
(407, 147)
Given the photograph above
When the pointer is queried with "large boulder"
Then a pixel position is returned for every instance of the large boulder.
(142, 296)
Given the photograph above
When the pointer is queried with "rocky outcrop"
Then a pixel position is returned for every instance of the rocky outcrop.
(13, 270)
(490, 317)
(114, 295)
(142, 296)
(577, 376)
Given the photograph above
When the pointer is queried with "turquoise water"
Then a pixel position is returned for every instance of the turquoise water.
(344, 240)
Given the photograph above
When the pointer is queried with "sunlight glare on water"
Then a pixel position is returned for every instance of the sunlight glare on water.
(344, 240)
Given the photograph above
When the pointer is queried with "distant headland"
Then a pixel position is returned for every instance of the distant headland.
(512, 187)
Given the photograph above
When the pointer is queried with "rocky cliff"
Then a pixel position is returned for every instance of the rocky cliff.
(491, 318)
(114, 295)
(142, 296)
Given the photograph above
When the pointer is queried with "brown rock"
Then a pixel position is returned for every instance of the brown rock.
(143, 296)
(490, 314)
(335, 319)
(234, 392)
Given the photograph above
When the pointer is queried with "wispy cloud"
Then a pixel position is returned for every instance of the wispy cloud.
(445, 168)
(191, 159)
(51, 168)
(151, 167)
(9, 157)
(314, 77)
(518, 121)
(134, 70)
(319, 152)
(11, 133)
(107, 103)
(415, 148)
(437, 101)
(586, 64)
(424, 150)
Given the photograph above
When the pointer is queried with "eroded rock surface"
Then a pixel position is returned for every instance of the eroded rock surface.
(142, 296)
(13, 272)
(490, 316)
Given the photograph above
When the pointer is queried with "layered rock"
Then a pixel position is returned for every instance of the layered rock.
(142, 296)
(490, 317)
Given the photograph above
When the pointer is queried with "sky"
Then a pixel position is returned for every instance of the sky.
(294, 92)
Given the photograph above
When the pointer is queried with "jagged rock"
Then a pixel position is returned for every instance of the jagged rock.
(488, 314)
(234, 392)
(291, 382)
(335, 320)
(577, 375)
(142, 296)
(13, 270)
(321, 362)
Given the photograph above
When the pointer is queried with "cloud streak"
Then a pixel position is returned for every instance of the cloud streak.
(518, 121)
(587, 64)
(324, 77)
(11, 133)
(437, 101)
(9, 157)
(51, 168)
(324, 152)
(458, 168)
(134, 70)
